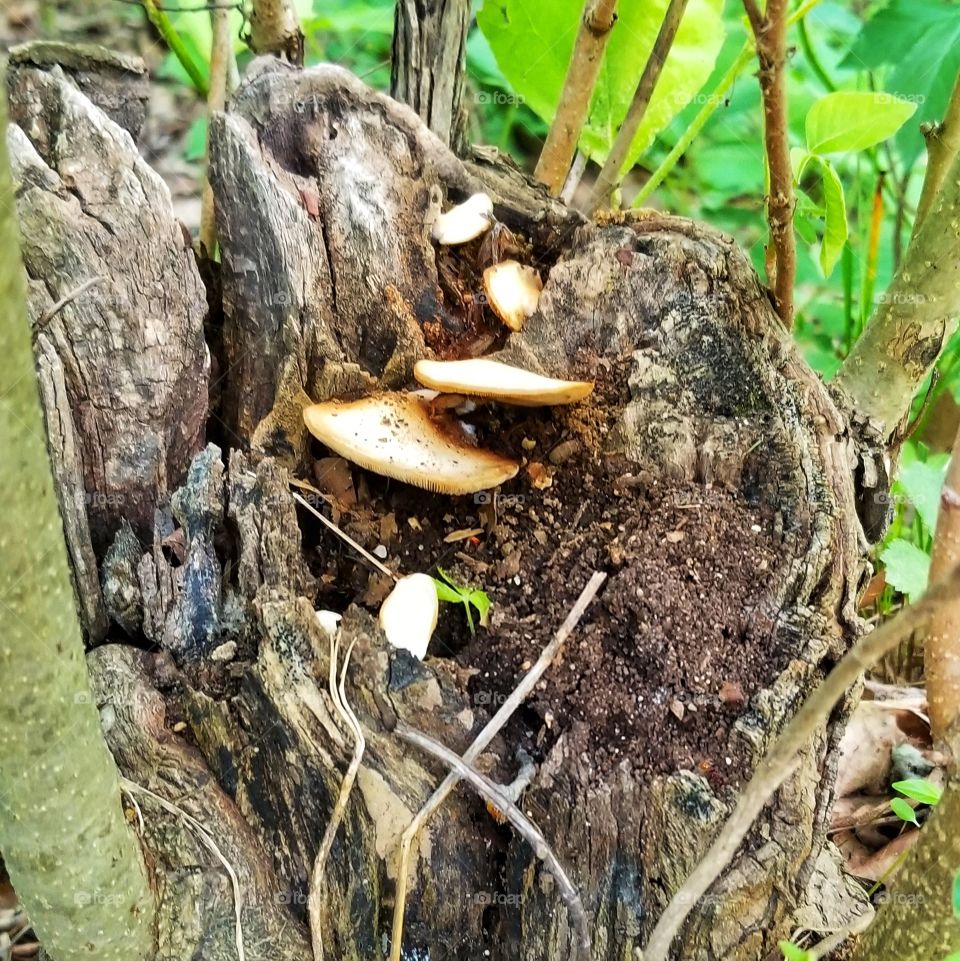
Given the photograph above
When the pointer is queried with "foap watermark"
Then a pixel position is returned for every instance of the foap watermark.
(84, 899)
(500, 98)
(490, 898)
(500, 500)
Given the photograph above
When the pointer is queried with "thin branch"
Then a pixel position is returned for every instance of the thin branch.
(780, 761)
(67, 298)
(493, 727)
(345, 537)
(770, 37)
(943, 145)
(941, 649)
(220, 49)
(612, 171)
(495, 795)
(711, 101)
(574, 177)
(275, 29)
(342, 706)
(599, 17)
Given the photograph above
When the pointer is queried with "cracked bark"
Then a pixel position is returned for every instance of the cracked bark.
(324, 190)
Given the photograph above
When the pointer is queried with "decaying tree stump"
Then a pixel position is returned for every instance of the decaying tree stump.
(710, 474)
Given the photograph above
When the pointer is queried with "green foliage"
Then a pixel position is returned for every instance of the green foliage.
(532, 41)
(956, 900)
(919, 789)
(852, 120)
(904, 811)
(907, 567)
(452, 593)
(792, 953)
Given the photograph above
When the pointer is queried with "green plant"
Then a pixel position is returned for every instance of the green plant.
(792, 953)
(450, 592)
(916, 789)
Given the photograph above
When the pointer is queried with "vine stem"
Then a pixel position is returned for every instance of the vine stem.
(599, 16)
(164, 26)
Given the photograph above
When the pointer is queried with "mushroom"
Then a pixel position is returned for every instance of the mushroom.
(408, 616)
(464, 222)
(481, 377)
(513, 291)
(396, 435)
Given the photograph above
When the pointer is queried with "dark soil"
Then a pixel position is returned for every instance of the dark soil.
(664, 661)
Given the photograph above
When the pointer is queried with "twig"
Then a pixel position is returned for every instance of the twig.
(712, 100)
(941, 649)
(342, 706)
(220, 49)
(770, 37)
(345, 537)
(163, 25)
(52, 312)
(779, 762)
(132, 786)
(599, 16)
(275, 28)
(612, 170)
(943, 144)
(527, 683)
(574, 177)
(525, 827)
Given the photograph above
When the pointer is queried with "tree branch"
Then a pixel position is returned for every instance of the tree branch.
(599, 17)
(916, 318)
(216, 101)
(612, 171)
(770, 35)
(780, 761)
(941, 650)
(943, 145)
(275, 28)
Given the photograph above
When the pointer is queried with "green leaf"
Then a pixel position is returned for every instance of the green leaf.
(907, 567)
(833, 211)
(452, 593)
(903, 811)
(920, 39)
(481, 601)
(956, 899)
(532, 41)
(446, 593)
(922, 483)
(792, 953)
(919, 789)
(850, 120)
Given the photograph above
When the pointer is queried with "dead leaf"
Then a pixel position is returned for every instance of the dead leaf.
(462, 535)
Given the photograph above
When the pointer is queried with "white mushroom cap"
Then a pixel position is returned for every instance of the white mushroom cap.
(464, 222)
(513, 291)
(408, 616)
(395, 435)
(509, 385)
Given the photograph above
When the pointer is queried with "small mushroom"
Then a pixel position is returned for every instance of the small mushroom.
(513, 291)
(397, 436)
(481, 377)
(408, 616)
(464, 222)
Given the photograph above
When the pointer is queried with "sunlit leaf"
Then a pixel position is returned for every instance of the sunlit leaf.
(904, 811)
(853, 120)
(907, 567)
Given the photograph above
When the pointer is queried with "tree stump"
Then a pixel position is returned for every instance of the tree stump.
(710, 474)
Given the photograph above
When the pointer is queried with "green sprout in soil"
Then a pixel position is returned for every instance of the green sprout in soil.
(451, 592)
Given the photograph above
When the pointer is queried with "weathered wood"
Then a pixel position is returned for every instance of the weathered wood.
(429, 64)
(324, 195)
(134, 361)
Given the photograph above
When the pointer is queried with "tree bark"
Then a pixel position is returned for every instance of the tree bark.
(66, 844)
(429, 63)
(706, 424)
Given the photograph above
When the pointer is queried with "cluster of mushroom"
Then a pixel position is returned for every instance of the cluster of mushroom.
(512, 289)
(409, 436)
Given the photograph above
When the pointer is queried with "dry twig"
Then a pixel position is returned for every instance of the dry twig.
(220, 52)
(493, 727)
(599, 17)
(342, 706)
(780, 761)
(495, 794)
